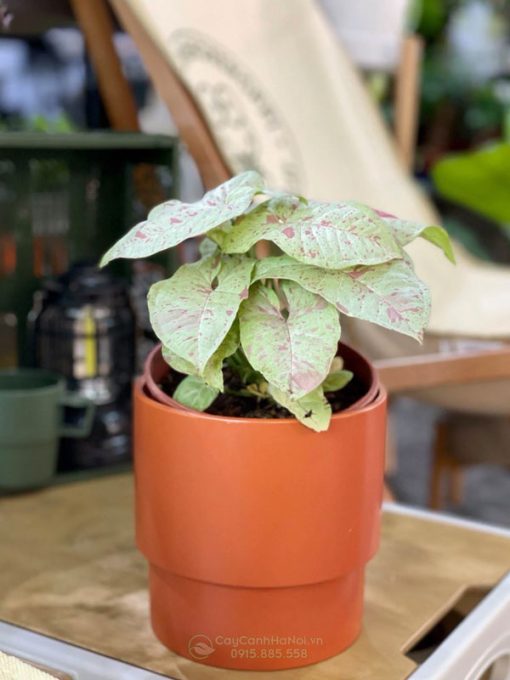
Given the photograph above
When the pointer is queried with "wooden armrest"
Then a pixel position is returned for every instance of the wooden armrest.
(434, 370)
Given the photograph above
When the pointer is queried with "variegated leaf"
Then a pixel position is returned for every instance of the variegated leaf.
(212, 373)
(313, 410)
(192, 312)
(195, 393)
(178, 363)
(390, 294)
(292, 349)
(331, 235)
(173, 222)
(406, 231)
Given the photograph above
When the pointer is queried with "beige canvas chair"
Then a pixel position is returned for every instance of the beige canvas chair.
(265, 85)
(374, 37)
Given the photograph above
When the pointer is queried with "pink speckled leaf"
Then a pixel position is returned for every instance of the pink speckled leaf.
(212, 373)
(313, 410)
(178, 363)
(331, 235)
(293, 350)
(406, 231)
(192, 312)
(390, 294)
(173, 222)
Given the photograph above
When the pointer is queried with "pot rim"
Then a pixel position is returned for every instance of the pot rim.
(157, 394)
(140, 386)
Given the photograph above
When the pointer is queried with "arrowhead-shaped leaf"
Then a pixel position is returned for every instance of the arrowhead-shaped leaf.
(390, 294)
(331, 235)
(212, 373)
(195, 393)
(313, 410)
(405, 232)
(192, 312)
(292, 352)
(173, 222)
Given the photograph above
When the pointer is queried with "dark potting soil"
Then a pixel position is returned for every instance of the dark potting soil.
(231, 405)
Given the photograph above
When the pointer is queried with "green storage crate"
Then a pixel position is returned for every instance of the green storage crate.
(68, 197)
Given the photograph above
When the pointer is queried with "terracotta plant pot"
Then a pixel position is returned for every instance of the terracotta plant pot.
(257, 532)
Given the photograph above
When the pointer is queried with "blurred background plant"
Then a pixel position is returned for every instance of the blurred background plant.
(62, 123)
(466, 59)
(465, 118)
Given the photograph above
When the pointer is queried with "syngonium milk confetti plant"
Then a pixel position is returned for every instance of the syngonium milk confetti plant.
(275, 322)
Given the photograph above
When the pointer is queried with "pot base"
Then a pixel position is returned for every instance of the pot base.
(255, 628)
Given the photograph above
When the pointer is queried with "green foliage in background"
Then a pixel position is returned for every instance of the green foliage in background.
(479, 180)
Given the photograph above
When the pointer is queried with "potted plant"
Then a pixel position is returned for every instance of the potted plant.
(259, 439)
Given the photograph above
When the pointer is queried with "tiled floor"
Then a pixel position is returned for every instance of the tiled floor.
(486, 494)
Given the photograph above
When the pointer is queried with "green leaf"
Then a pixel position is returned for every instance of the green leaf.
(336, 381)
(192, 312)
(389, 294)
(194, 393)
(207, 247)
(293, 353)
(479, 180)
(313, 409)
(173, 222)
(406, 231)
(220, 233)
(212, 373)
(331, 235)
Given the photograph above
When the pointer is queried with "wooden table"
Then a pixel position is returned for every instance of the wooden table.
(69, 568)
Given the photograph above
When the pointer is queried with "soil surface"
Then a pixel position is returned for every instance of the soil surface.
(231, 405)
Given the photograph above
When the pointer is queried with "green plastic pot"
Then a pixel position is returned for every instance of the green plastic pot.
(32, 403)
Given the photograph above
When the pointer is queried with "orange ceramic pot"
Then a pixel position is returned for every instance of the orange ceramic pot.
(257, 532)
